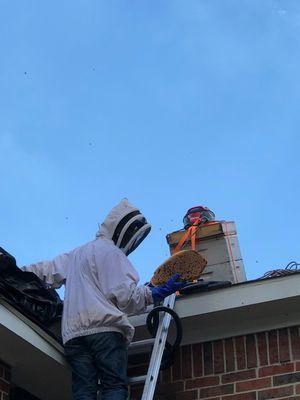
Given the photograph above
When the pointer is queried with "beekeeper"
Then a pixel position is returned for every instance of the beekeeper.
(100, 291)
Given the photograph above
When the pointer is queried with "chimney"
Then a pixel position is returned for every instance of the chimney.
(218, 243)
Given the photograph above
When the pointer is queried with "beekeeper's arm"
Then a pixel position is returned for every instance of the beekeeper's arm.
(52, 272)
(119, 281)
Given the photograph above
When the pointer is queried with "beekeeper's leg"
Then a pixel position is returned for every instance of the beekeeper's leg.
(110, 354)
(84, 371)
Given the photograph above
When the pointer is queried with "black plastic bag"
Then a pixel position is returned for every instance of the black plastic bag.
(26, 292)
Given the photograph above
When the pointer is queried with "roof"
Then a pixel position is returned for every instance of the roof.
(243, 308)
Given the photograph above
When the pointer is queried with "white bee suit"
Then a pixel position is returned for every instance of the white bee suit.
(101, 283)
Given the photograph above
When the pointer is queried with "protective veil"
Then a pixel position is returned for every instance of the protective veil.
(101, 283)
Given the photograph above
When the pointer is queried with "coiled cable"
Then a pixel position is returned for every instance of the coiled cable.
(152, 323)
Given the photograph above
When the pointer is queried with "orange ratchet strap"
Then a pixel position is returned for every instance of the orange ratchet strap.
(190, 233)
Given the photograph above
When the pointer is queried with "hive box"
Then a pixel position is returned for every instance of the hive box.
(218, 243)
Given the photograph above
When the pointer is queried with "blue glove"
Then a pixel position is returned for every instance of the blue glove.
(171, 286)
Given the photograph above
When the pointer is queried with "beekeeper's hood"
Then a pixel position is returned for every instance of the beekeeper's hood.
(125, 226)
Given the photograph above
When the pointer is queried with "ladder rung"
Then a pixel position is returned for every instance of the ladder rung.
(137, 379)
(141, 345)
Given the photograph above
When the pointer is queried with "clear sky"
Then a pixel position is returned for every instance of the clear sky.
(169, 103)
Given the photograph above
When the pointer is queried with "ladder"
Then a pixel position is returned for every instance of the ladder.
(158, 344)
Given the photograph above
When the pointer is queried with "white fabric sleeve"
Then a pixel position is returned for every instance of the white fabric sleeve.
(119, 284)
(51, 272)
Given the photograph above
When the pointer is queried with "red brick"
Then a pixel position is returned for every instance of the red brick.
(244, 396)
(229, 355)
(167, 388)
(215, 398)
(186, 357)
(184, 395)
(284, 351)
(137, 370)
(285, 379)
(176, 367)
(295, 342)
(4, 386)
(207, 358)
(166, 375)
(197, 359)
(273, 347)
(262, 348)
(218, 357)
(275, 393)
(136, 392)
(159, 378)
(202, 382)
(297, 366)
(297, 389)
(276, 370)
(291, 398)
(187, 395)
(251, 351)
(240, 352)
(253, 384)
(216, 391)
(137, 359)
(239, 376)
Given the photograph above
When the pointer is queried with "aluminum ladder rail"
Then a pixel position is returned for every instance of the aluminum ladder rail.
(157, 352)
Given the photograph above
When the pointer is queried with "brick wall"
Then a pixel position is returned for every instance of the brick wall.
(8, 391)
(253, 367)
(4, 381)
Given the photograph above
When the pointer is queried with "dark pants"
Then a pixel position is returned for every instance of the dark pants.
(102, 355)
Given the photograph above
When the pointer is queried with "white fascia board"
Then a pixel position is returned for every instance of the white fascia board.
(240, 295)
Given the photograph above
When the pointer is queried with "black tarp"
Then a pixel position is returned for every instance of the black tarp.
(26, 292)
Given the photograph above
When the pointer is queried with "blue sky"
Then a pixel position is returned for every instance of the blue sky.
(169, 103)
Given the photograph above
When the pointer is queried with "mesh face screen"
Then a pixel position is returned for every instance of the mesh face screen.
(138, 240)
(121, 225)
(131, 230)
